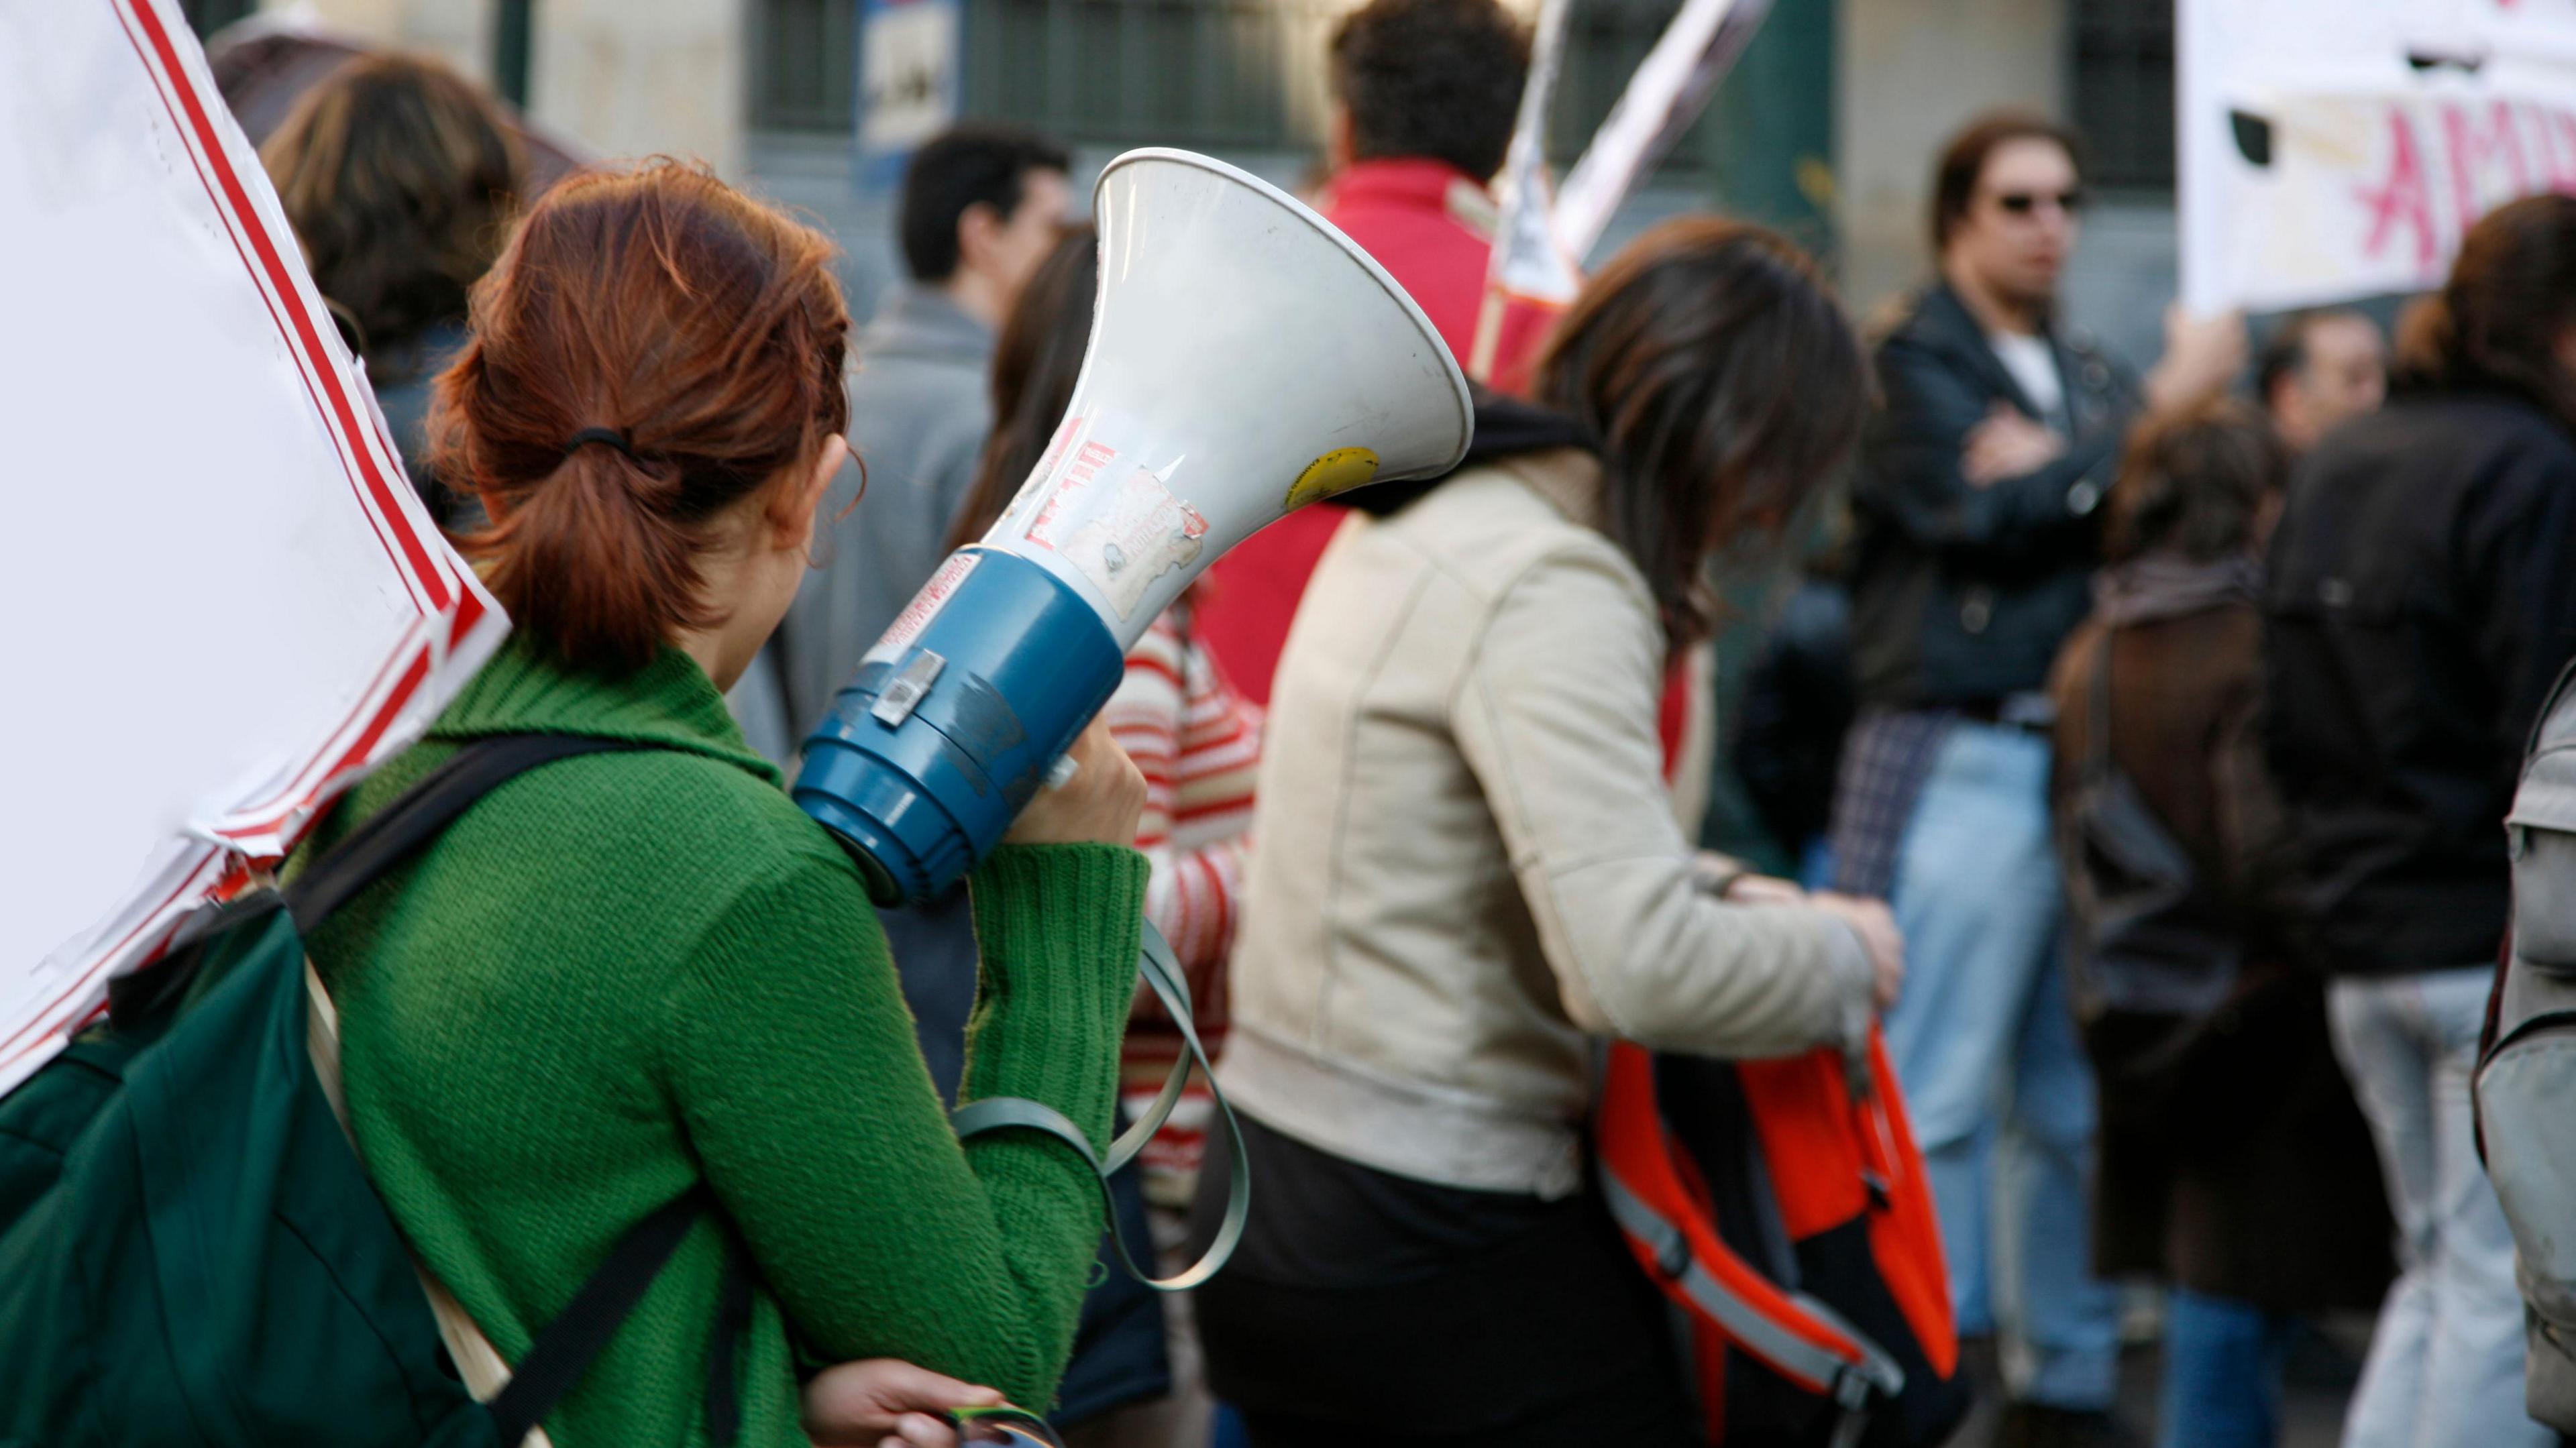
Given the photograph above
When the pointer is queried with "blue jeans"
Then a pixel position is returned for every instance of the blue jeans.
(2222, 1386)
(2445, 1365)
(1998, 1087)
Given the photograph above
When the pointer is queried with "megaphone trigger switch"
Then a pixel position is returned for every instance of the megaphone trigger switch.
(909, 687)
(1338, 471)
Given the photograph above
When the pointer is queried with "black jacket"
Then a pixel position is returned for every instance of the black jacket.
(2421, 597)
(1963, 594)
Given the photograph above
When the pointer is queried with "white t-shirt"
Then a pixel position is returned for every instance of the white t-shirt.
(2033, 364)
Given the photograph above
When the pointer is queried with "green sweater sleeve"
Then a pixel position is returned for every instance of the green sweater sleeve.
(792, 1060)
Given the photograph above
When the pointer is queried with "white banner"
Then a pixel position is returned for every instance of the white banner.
(228, 603)
(2330, 149)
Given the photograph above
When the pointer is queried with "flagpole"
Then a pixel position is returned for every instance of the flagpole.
(1524, 182)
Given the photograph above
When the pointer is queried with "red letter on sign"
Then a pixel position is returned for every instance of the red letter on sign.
(2402, 200)
(2471, 151)
(2557, 130)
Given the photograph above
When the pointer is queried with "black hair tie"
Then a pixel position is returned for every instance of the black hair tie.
(608, 435)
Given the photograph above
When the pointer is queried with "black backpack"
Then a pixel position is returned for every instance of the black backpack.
(190, 1251)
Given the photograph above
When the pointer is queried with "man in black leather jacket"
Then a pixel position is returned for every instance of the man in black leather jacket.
(1976, 504)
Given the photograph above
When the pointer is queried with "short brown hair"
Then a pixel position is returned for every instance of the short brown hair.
(2495, 323)
(1436, 78)
(399, 177)
(1722, 387)
(2193, 482)
(703, 328)
(1963, 162)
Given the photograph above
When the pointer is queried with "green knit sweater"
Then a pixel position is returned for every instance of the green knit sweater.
(624, 973)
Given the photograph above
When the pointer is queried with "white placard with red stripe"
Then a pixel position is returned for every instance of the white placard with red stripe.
(2332, 149)
(226, 602)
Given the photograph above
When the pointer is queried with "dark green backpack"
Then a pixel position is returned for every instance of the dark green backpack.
(190, 1252)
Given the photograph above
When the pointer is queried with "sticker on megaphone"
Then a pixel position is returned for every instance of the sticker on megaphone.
(1118, 523)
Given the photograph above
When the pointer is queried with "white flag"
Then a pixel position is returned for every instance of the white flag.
(1526, 262)
(1666, 94)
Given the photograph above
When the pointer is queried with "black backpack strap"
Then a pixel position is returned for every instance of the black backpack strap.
(389, 836)
(2097, 711)
(565, 1347)
(733, 1325)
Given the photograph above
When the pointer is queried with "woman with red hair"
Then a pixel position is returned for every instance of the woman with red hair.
(634, 975)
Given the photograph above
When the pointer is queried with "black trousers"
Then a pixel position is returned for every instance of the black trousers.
(1544, 1333)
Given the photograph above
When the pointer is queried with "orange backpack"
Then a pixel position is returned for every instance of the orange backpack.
(1783, 1206)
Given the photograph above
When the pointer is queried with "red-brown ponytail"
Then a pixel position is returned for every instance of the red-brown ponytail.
(696, 337)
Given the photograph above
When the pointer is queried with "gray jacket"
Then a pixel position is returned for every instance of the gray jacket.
(919, 410)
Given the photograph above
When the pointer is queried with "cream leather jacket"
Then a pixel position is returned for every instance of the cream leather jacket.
(1468, 864)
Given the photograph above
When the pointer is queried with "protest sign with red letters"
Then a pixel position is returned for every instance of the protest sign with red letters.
(2332, 149)
(226, 602)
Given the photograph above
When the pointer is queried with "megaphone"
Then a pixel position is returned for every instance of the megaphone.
(1246, 358)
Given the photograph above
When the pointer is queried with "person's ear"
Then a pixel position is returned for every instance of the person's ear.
(979, 227)
(1337, 137)
(793, 530)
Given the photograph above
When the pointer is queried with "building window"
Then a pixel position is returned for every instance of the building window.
(805, 65)
(1215, 74)
(208, 16)
(2123, 91)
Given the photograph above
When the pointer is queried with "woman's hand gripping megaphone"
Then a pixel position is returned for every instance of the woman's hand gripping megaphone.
(1095, 801)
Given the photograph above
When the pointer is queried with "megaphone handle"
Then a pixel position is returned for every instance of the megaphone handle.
(1162, 973)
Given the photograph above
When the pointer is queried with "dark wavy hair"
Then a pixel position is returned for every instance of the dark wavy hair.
(1437, 78)
(2193, 482)
(1723, 388)
(1036, 361)
(2495, 323)
(400, 177)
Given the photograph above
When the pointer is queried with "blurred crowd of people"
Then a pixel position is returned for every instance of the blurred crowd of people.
(2138, 744)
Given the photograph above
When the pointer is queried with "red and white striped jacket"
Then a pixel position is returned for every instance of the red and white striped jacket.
(1198, 744)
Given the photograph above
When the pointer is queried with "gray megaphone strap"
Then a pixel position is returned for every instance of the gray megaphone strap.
(1162, 975)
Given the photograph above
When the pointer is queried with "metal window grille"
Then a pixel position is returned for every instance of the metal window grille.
(805, 65)
(208, 16)
(2123, 91)
(1218, 74)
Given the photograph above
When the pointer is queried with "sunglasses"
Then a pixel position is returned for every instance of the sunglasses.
(1001, 1428)
(2023, 203)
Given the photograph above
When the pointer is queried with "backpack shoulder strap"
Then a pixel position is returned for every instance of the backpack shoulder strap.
(2097, 710)
(565, 1347)
(390, 835)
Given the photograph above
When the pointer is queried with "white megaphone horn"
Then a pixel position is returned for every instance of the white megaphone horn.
(1245, 358)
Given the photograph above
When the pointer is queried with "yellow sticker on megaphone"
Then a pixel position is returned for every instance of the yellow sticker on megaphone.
(1337, 471)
